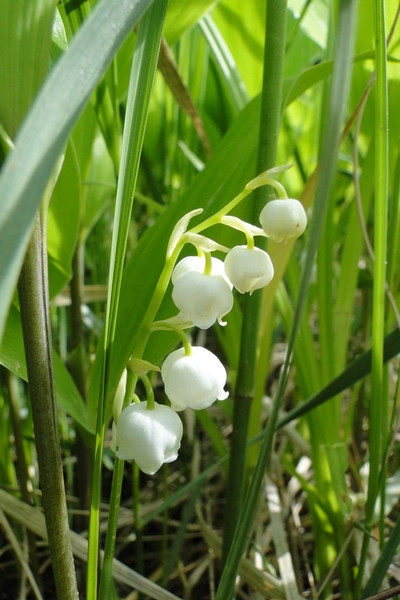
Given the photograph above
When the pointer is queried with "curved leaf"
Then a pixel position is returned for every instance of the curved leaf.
(47, 127)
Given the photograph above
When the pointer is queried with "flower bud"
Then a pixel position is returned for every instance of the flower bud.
(248, 269)
(283, 219)
(193, 381)
(149, 437)
(202, 299)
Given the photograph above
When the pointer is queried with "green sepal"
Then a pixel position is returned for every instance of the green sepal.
(141, 367)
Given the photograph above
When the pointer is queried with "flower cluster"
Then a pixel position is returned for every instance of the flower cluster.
(193, 377)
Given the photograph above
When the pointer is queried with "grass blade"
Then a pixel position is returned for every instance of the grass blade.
(142, 76)
(357, 370)
(383, 563)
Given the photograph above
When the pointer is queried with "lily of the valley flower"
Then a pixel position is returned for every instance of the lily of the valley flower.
(283, 219)
(195, 380)
(248, 269)
(149, 437)
(201, 298)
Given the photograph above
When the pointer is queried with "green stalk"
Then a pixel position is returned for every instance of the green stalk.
(340, 86)
(77, 363)
(274, 58)
(379, 400)
(34, 304)
(140, 86)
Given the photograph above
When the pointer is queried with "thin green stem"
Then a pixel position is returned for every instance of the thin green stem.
(274, 58)
(256, 183)
(106, 581)
(149, 392)
(34, 304)
(77, 365)
(249, 230)
(159, 325)
(207, 263)
(380, 236)
(378, 405)
(140, 86)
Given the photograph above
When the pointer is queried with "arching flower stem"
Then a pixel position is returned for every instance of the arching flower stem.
(208, 263)
(149, 392)
(249, 230)
(255, 183)
(162, 325)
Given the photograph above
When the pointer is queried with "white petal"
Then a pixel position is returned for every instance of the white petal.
(203, 299)
(194, 381)
(150, 437)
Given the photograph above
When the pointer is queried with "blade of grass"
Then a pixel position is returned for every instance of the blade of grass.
(339, 91)
(142, 76)
(380, 570)
(225, 64)
(45, 131)
(357, 370)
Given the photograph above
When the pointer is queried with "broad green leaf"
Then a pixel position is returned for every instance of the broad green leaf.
(25, 39)
(301, 49)
(12, 356)
(59, 43)
(182, 16)
(99, 185)
(45, 131)
(63, 223)
(83, 135)
(244, 32)
(314, 23)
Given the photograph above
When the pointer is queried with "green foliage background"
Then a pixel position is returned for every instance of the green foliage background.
(71, 132)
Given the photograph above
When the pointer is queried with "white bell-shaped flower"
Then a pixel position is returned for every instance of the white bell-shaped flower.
(283, 219)
(198, 263)
(201, 298)
(248, 269)
(149, 437)
(193, 381)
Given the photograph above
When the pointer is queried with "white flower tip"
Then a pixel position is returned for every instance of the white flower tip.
(249, 269)
(195, 381)
(283, 219)
(150, 437)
